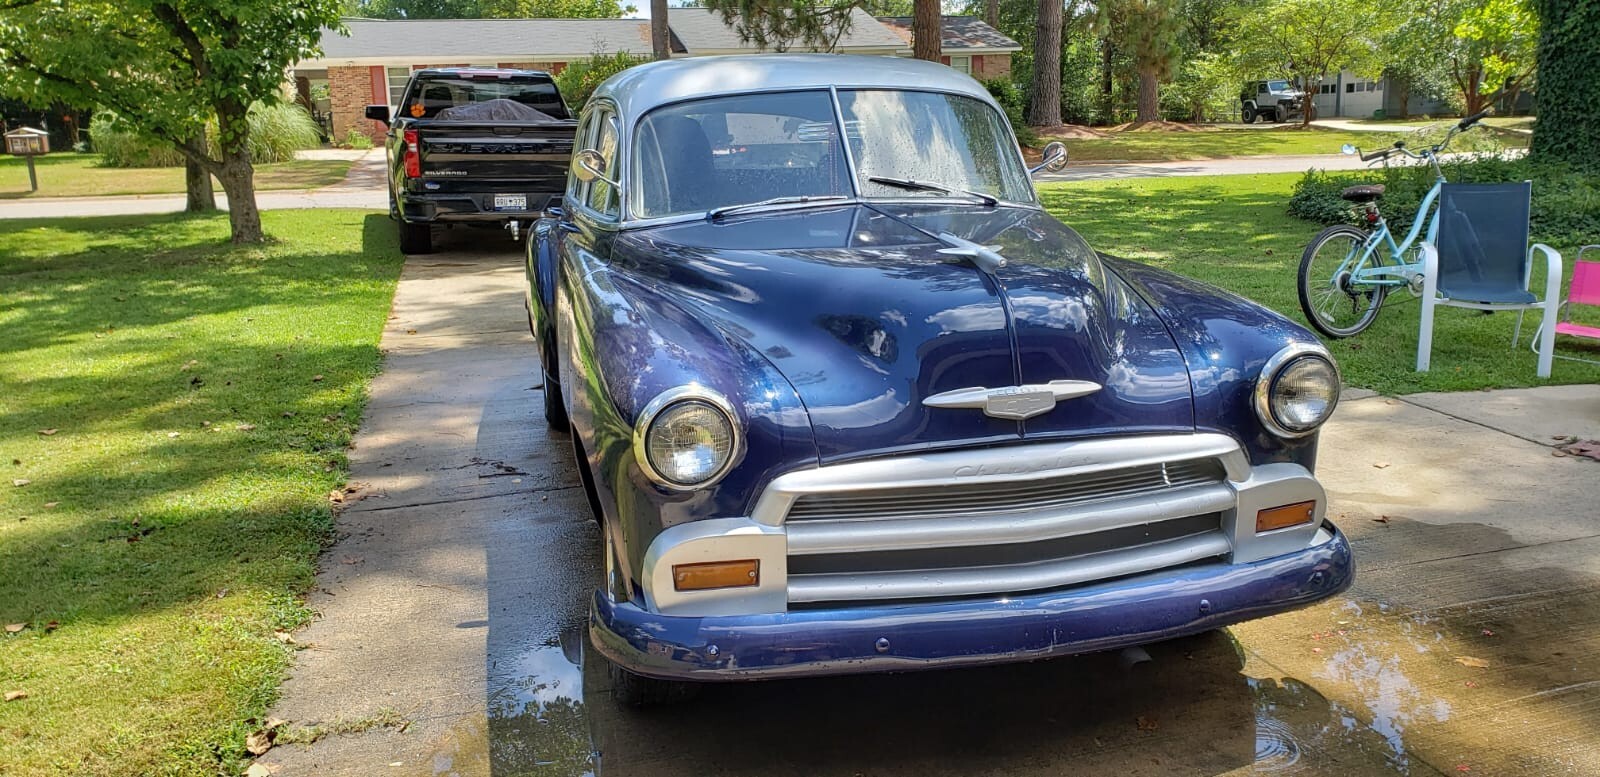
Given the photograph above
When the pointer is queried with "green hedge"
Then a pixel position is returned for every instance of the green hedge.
(578, 80)
(276, 132)
(1569, 82)
(1566, 202)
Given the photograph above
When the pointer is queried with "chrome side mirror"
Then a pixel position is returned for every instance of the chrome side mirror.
(588, 165)
(1349, 150)
(1053, 160)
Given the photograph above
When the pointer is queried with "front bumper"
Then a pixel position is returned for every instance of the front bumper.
(910, 636)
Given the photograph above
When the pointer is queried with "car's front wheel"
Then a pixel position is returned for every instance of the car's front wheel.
(634, 690)
(1249, 115)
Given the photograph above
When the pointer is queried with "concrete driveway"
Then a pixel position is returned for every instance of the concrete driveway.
(457, 594)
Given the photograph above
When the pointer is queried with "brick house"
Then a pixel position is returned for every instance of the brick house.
(371, 64)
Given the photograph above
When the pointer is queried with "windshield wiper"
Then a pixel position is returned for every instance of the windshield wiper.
(924, 186)
(716, 213)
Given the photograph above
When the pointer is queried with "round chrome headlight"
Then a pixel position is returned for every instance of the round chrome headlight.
(686, 438)
(1297, 391)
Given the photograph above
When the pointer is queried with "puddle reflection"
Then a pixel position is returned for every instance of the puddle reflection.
(537, 722)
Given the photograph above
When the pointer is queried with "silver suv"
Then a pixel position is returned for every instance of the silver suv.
(1276, 101)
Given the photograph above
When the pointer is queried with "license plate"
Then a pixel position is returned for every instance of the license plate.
(511, 202)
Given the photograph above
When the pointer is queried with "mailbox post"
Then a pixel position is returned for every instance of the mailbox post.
(28, 142)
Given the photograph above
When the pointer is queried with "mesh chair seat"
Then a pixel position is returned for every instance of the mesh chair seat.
(1483, 242)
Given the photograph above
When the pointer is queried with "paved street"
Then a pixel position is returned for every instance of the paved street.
(457, 594)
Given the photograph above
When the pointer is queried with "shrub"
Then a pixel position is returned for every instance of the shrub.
(1014, 102)
(579, 79)
(1566, 202)
(357, 140)
(276, 132)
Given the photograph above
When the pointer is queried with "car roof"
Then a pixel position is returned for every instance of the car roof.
(641, 88)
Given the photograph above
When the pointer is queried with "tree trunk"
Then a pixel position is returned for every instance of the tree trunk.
(200, 197)
(991, 13)
(238, 181)
(927, 30)
(1045, 107)
(660, 37)
(1149, 96)
(1107, 92)
(1405, 100)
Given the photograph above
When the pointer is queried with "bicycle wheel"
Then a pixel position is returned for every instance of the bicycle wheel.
(1334, 304)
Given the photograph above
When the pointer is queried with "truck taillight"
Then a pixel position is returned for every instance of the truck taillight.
(411, 161)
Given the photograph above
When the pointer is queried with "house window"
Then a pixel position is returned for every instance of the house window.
(961, 64)
(397, 77)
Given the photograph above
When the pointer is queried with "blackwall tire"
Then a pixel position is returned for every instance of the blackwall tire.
(416, 238)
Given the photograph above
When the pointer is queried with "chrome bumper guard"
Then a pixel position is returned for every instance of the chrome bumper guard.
(1094, 509)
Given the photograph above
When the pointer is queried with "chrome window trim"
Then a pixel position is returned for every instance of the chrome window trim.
(1268, 376)
(672, 396)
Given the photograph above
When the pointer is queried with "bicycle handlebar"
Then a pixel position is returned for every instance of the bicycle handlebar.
(1467, 123)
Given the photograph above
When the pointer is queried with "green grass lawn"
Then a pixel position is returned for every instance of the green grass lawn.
(174, 414)
(1232, 231)
(1288, 140)
(79, 175)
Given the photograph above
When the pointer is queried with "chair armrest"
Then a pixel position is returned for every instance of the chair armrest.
(1552, 279)
(1430, 270)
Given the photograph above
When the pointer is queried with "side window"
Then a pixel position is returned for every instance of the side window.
(602, 196)
(577, 190)
(1261, 87)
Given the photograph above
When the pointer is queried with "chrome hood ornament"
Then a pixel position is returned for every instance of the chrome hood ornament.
(1014, 402)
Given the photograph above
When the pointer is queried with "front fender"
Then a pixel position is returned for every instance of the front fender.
(629, 342)
(1225, 339)
(539, 290)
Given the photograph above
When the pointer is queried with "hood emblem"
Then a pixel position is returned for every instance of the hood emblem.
(1014, 402)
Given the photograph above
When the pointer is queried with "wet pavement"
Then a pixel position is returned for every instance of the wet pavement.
(457, 598)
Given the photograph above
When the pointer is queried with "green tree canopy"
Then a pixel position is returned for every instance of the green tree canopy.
(167, 67)
(1150, 30)
(1309, 39)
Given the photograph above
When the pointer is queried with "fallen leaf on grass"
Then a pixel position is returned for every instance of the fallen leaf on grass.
(50, 505)
(1146, 724)
(258, 770)
(48, 432)
(52, 626)
(258, 742)
(1475, 663)
(172, 434)
(16, 695)
(12, 628)
(246, 427)
(1381, 464)
(284, 637)
(189, 365)
(316, 378)
(20, 482)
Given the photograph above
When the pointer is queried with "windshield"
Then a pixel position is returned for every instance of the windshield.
(724, 151)
(1278, 86)
(431, 95)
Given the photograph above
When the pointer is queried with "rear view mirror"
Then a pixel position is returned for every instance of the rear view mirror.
(1053, 160)
(378, 113)
(589, 165)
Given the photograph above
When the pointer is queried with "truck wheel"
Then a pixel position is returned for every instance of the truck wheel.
(1249, 115)
(634, 690)
(1277, 117)
(555, 414)
(416, 238)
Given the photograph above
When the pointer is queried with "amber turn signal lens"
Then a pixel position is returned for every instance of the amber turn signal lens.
(717, 574)
(1285, 516)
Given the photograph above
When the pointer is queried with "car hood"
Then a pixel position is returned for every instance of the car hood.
(866, 315)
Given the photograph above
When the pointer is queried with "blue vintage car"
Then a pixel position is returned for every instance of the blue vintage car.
(846, 399)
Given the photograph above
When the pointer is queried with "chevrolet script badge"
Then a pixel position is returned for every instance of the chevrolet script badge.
(1014, 402)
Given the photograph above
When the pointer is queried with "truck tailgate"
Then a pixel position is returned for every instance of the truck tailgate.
(461, 156)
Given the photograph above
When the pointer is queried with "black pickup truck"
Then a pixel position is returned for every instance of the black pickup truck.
(481, 146)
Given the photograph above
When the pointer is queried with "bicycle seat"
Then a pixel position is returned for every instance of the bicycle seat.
(1363, 193)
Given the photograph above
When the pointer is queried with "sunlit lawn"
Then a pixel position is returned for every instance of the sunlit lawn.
(80, 175)
(1287, 140)
(1232, 231)
(173, 414)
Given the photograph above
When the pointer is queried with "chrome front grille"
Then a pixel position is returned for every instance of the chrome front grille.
(971, 499)
(1045, 517)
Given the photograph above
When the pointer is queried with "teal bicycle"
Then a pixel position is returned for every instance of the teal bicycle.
(1347, 272)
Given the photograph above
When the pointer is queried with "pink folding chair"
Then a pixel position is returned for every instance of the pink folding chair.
(1585, 290)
